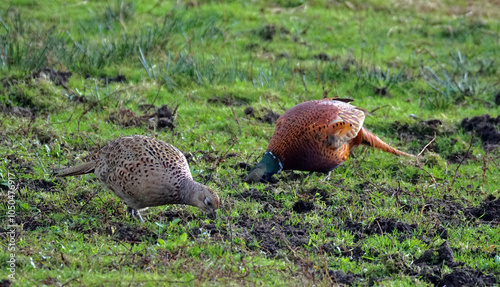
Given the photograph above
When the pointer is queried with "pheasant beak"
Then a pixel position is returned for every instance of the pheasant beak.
(212, 215)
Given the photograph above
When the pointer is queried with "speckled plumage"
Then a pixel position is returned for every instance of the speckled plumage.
(316, 136)
(146, 172)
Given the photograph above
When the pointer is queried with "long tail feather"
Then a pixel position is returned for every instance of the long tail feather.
(80, 169)
(365, 137)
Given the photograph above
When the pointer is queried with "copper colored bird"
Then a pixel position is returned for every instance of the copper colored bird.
(316, 136)
(144, 172)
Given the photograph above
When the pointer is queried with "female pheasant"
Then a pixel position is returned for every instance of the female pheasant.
(316, 136)
(145, 172)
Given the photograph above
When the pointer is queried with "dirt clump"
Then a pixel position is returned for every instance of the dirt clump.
(381, 91)
(322, 57)
(16, 111)
(5, 283)
(270, 118)
(430, 263)
(264, 115)
(271, 235)
(489, 210)
(443, 254)
(38, 185)
(303, 206)
(467, 277)
(380, 226)
(229, 100)
(423, 131)
(355, 228)
(208, 230)
(283, 55)
(106, 80)
(249, 111)
(125, 118)
(486, 128)
(33, 223)
(59, 78)
(163, 117)
(443, 209)
(339, 277)
(320, 194)
(19, 165)
(460, 157)
(267, 32)
(122, 232)
(243, 165)
(263, 197)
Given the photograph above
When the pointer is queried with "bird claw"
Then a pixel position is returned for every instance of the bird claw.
(327, 178)
(135, 213)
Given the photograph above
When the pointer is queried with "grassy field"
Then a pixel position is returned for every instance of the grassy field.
(211, 78)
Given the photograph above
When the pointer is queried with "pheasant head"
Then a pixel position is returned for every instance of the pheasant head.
(265, 169)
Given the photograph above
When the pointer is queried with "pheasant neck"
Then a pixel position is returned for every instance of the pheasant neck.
(272, 163)
(189, 188)
(264, 170)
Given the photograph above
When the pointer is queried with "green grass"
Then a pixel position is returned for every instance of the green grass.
(405, 62)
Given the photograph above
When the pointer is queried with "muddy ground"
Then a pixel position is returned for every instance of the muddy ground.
(277, 237)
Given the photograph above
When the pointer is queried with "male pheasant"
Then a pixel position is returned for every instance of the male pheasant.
(145, 172)
(316, 136)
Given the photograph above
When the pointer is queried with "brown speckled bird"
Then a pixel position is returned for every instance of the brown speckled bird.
(316, 136)
(146, 172)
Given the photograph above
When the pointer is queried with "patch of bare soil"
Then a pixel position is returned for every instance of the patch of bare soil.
(422, 131)
(229, 100)
(379, 226)
(430, 267)
(270, 117)
(303, 206)
(208, 156)
(18, 165)
(16, 111)
(264, 115)
(486, 127)
(162, 118)
(106, 80)
(321, 194)
(271, 235)
(122, 232)
(449, 211)
(59, 78)
(126, 118)
(267, 32)
(489, 210)
(39, 185)
(5, 283)
(32, 223)
(438, 256)
(165, 117)
(264, 197)
(460, 157)
(323, 57)
(444, 210)
(243, 165)
(339, 277)
(467, 277)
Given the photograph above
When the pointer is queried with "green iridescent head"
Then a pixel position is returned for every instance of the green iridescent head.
(265, 169)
